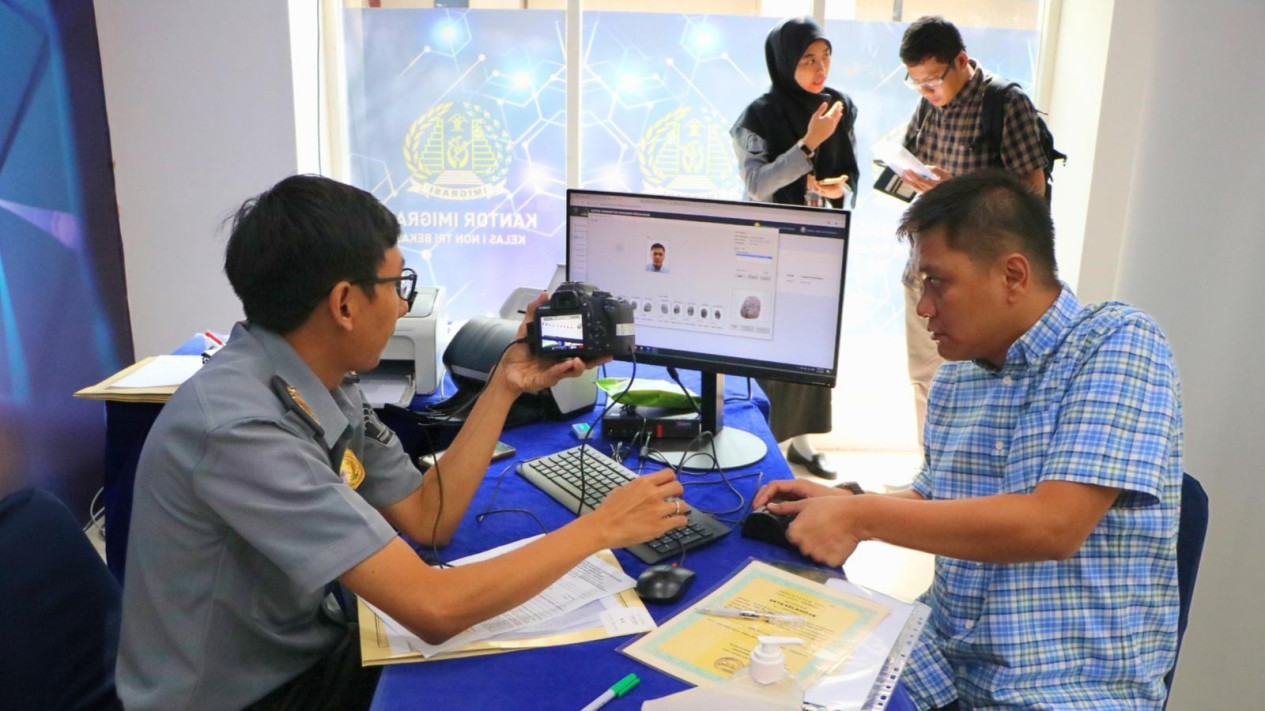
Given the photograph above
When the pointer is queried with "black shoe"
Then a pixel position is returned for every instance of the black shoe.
(818, 465)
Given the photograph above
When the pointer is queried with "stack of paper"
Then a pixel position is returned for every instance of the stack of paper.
(153, 379)
(593, 601)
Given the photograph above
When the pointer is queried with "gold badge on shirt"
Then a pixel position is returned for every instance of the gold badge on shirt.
(298, 400)
(353, 472)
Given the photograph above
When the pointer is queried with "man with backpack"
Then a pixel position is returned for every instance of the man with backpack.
(966, 121)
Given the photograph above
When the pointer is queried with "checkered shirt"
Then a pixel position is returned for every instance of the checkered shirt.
(943, 136)
(1087, 395)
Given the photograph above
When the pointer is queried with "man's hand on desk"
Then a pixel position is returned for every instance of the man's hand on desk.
(640, 511)
(522, 372)
(785, 490)
(823, 528)
(820, 529)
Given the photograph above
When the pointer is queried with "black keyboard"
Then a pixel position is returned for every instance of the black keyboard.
(559, 476)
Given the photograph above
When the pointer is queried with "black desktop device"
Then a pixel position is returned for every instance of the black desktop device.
(720, 287)
(646, 424)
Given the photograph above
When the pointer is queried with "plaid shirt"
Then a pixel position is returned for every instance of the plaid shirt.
(1087, 395)
(943, 136)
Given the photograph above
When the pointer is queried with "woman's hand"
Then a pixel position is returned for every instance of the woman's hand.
(823, 124)
(834, 190)
(642, 510)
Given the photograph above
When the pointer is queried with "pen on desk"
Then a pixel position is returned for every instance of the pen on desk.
(753, 615)
(214, 338)
(624, 686)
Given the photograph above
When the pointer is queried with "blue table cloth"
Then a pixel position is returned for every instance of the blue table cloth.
(569, 677)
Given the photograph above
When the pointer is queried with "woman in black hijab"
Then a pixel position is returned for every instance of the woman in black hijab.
(795, 139)
(800, 132)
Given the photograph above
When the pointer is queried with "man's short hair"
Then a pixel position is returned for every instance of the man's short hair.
(930, 37)
(656, 245)
(292, 243)
(987, 214)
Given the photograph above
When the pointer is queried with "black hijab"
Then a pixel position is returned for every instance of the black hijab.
(782, 114)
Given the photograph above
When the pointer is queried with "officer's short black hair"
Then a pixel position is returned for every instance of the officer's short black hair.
(987, 214)
(658, 245)
(930, 37)
(292, 243)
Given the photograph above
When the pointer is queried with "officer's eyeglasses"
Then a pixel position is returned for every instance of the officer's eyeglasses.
(405, 285)
(929, 85)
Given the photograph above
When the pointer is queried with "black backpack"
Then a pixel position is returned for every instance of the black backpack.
(992, 117)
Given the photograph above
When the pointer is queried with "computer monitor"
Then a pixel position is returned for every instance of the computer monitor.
(721, 287)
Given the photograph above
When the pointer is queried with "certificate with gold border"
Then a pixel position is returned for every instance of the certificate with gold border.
(706, 649)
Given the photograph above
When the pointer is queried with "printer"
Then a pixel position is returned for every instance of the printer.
(411, 362)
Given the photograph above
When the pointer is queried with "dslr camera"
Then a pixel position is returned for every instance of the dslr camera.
(580, 320)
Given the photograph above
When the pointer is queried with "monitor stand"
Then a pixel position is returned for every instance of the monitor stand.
(734, 448)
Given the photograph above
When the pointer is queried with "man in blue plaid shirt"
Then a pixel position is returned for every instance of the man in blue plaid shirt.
(1051, 481)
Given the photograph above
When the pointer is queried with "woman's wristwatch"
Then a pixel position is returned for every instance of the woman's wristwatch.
(852, 486)
(803, 148)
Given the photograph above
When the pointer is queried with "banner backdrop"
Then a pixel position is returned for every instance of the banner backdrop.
(458, 125)
(63, 305)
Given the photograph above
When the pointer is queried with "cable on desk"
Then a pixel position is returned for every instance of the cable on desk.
(439, 479)
(479, 519)
(96, 517)
(439, 513)
(750, 394)
(584, 441)
(500, 478)
(442, 417)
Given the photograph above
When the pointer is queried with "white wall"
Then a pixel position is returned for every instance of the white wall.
(1074, 96)
(1177, 201)
(202, 115)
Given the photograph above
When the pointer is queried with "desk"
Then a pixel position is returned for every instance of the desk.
(556, 677)
(569, 677)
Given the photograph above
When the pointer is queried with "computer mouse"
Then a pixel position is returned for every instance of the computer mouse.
(664, 584)
(764, 525)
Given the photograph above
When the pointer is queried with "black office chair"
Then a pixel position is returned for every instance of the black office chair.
(62, 607)
(1192, 528)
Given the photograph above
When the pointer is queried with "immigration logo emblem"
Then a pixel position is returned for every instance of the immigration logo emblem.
(687, 152)
(458, 152)
(352, 472)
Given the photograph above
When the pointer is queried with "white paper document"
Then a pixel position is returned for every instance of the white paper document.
(163, 371)
(579, 599)
(899, 159)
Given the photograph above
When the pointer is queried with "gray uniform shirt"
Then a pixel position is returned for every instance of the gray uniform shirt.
(243, 512)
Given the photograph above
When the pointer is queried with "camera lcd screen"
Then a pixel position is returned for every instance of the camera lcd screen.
(563, 332)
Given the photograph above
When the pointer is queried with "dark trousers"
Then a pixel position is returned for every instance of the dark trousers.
(335, 683)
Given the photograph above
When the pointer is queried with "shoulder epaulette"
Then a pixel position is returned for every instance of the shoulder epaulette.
(295, 403)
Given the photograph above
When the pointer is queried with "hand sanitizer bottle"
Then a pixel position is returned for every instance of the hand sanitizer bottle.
(767, 676)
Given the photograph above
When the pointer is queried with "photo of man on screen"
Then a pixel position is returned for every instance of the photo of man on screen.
(658, 257)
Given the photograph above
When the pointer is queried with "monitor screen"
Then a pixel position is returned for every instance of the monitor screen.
(741, 288)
